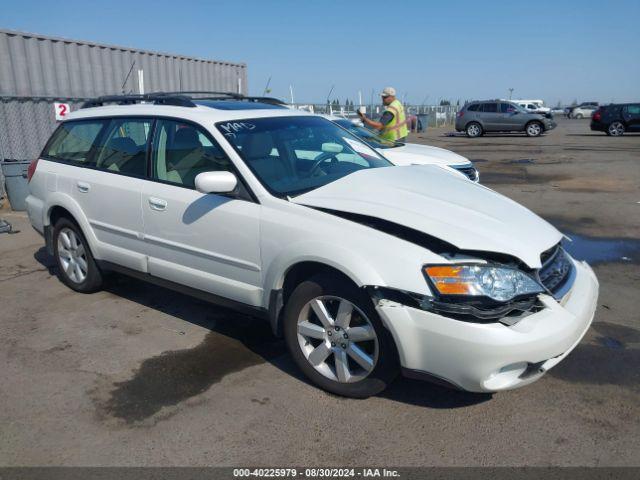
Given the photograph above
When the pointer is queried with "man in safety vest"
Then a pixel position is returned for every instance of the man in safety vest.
(393, 122)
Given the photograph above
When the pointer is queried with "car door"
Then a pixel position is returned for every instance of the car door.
(508, 116)
(112, 154)
(490, 116)
(205, 241)
(631, 115)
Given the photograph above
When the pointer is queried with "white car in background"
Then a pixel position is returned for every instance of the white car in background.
(583, 111)
(403, 154)
(532, 106)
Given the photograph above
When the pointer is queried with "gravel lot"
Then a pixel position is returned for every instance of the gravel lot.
(139, 375)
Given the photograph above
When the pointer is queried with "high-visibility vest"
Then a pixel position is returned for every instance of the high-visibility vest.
(396, 128)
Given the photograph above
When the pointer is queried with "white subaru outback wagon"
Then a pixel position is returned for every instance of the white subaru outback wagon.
(367, 269)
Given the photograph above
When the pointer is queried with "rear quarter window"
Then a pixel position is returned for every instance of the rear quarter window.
(474, 107)
(490, 107)
(74, 141)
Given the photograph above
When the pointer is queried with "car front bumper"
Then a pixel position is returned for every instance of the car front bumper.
(489, 357)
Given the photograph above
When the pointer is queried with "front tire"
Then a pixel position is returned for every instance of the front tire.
(616, 129)
(534, 129)
(337, 339)
(77, 268)
(474, 130)
(578, 116)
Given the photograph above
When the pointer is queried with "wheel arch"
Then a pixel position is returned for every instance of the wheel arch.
(62, 206)
(535, 120)
(282, 278)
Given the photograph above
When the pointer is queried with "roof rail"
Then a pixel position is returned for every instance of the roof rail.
(213, 95)
(209, 94)
(159, 98)
(179, 99)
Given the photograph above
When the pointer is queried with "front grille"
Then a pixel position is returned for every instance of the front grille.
(558, 272)
(470, 172)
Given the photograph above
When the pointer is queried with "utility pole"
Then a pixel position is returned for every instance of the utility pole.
(330, 92)
(266, 87)
(510, 93)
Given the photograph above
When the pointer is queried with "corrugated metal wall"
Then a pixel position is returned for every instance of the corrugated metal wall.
(36, 65)
(37, 70)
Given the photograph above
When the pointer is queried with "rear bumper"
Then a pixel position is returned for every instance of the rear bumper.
(492, 357)
(35, 210)
(598, 127)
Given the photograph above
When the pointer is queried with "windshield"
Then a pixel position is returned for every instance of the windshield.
(292, 155)
(369, 136)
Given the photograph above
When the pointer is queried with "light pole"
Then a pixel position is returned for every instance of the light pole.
(510, 93)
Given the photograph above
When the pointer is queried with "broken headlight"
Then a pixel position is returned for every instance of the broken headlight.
(500, 284)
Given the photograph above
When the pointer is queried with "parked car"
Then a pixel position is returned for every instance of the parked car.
(616, 119)
(479, 117)
(367, 269)
(532, 106)
(403, 154)
(584, 110)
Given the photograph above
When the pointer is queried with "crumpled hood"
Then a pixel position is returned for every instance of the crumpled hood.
(428, 199)
(415, 154)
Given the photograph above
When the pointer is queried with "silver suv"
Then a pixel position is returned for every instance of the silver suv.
(478, 117)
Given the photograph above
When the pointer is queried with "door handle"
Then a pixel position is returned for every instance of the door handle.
(83, 187)
(157, 204)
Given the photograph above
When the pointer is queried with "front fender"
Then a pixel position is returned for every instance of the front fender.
(343, 259)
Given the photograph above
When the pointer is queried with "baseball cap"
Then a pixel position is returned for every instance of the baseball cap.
(388, 91)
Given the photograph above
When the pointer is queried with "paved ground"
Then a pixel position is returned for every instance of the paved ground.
(138, 375)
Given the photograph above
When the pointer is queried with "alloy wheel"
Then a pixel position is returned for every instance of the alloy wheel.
(473, 130)
(337, 339)
(616, 129)
(534, 129)
(72, 254)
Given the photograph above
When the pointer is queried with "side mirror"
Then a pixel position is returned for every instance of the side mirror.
(216, 182)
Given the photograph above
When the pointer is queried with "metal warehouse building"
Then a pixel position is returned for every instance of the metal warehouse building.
(37, 70)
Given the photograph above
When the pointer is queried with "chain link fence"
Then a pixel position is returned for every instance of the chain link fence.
(433, 115)
(26, 124)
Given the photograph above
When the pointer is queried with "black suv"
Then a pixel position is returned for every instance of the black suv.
(615, 119)
(478, 117)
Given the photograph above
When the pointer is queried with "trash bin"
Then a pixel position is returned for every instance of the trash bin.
(15, 179)
(422, 122)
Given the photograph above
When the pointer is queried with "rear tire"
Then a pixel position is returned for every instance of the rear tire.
(474, 129)
(616, 129)
(350, 353)
(579, 116)
(77, 268)
(534, 129)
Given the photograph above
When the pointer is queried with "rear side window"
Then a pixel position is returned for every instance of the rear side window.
(123, 148)
(633, 109)
(490, 107)
(74, 141)
(474, 107)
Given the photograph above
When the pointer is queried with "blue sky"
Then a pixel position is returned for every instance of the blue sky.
(554, 50)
